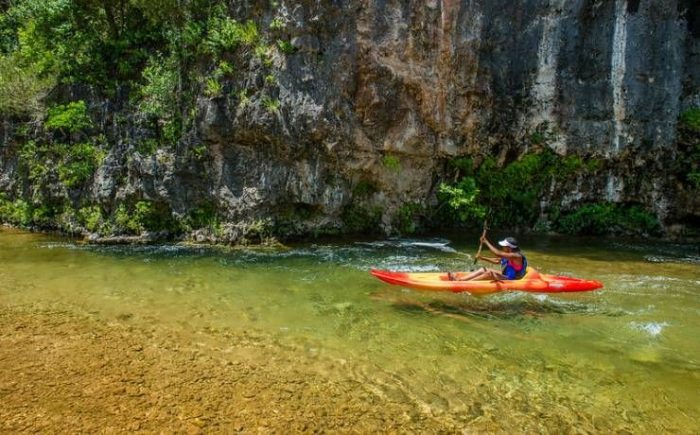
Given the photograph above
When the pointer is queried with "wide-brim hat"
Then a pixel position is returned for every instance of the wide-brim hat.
(509, 242)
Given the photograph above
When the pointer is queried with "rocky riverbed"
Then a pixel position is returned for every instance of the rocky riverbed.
(65, 372)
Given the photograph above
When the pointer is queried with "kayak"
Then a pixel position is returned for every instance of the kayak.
(533, 282)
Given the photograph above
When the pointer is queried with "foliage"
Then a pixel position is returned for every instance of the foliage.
(30, 157)
(462, 200)
(123, 220)
(607, 218)
(158, 94)
(213, 88)
(537, 137)
(227, 34)
(23, 87)
(43, 215)
(694, 178)
(243, 99)
(264, 54)
(687, 162)
(199, 151)
(464, 165)
(88, 41)
(152, 56)
(364, 188)
(154, 47)
(407, 220)
(361, 220)
(91, 218)
(392, 163)
(52, 215)
(17, 212)
(286, 47)
(74, 164)
(145, 216)
(542, 134)
(23, 213)
(71, 117)
(694, 172)
(277, 24)
(691, 118)
(223, 69)
(271, 104)
(203, 216)
(511, 193)
(260, 229)
(147, 146)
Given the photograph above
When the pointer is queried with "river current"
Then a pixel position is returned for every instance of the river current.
(625, 358)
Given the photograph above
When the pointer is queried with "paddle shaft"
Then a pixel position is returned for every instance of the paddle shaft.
(481, 244)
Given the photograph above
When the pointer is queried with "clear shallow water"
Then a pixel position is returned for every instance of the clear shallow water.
(623, 358)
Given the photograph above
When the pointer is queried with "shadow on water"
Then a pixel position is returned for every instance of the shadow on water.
(507, 307)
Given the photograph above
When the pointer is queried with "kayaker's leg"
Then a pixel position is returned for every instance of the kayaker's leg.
(472, 275)
(484, 274)
(496, 276)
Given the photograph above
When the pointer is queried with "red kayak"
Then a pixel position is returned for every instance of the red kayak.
(533, 282)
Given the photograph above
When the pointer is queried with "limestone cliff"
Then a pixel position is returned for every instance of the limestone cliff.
(384, 93)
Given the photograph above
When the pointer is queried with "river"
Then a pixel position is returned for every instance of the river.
(624, 358)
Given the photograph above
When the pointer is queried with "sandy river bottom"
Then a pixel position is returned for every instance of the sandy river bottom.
(66, 372)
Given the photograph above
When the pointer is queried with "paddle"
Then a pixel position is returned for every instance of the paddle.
(450, 275)
(481, 244)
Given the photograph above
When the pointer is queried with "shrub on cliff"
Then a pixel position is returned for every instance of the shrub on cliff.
(689, 145)
(462, 200)
(78, 164)
(72, 164)
(226, 34)
(513, 195)
(17, 212)
(69, 118)
(90, 218)
(691, 119)
(607, 218)
(145, 216)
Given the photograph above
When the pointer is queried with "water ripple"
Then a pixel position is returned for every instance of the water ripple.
(654, 329)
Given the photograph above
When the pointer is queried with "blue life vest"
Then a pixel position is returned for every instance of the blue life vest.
(511, 270)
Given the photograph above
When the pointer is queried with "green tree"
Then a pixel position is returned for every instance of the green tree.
(23, 86)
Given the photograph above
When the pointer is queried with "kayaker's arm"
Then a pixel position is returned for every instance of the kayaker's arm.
(489, 259)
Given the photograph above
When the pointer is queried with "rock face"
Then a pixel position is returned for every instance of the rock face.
(383, 93)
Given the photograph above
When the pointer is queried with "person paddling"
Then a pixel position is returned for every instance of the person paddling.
(513, 263)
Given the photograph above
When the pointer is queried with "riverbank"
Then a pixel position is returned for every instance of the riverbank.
(74, 373)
